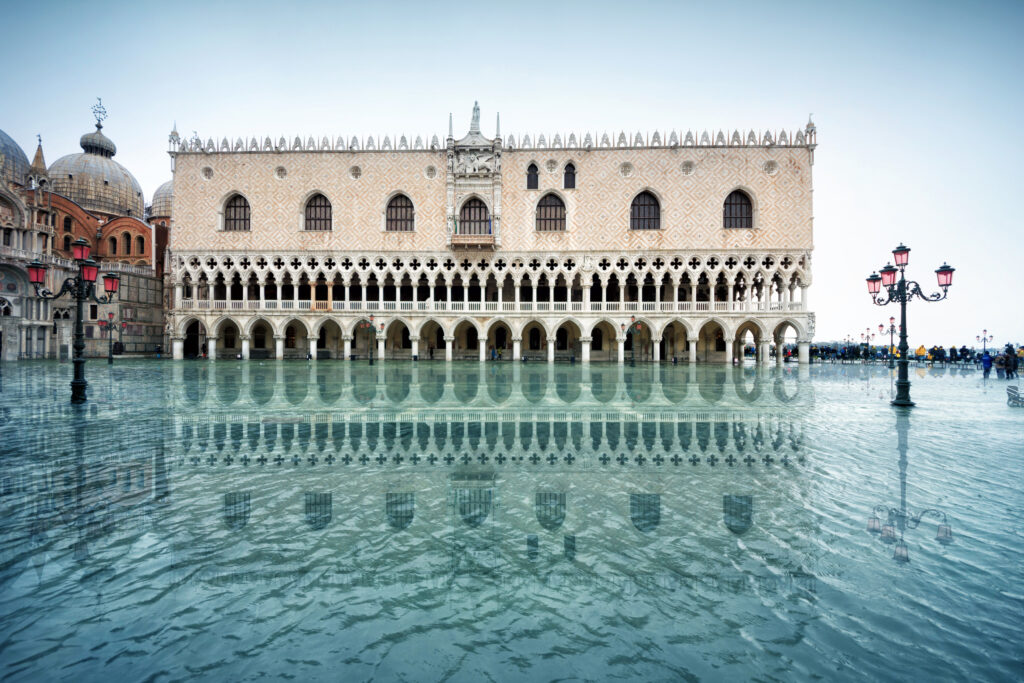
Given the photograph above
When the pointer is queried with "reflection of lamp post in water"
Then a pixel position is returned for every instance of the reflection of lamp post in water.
(900, 519)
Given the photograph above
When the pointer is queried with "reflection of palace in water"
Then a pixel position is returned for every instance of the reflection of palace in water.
(510, 463)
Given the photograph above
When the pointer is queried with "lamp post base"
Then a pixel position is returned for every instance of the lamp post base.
(903, 402)
(78, 387)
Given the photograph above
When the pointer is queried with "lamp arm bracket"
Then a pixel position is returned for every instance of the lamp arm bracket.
(914, 289)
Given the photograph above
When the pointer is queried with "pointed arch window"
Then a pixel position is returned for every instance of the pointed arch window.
(738, 211)
(532, 177)
(551, 214)
(645, 212)
(569, 177)
(474, 218)
(318, 213)
(399, 216)
(237, 216)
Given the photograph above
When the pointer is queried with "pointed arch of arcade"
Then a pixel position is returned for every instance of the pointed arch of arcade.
(500, 333)
(431, 334)
(535, 336)
(467, 334)
(328, 334)
(752, 327)
(603, 345)
(296, 334)
(711, 338)
(675, 337)
(398, 338)
(568, 331)
(185, 322)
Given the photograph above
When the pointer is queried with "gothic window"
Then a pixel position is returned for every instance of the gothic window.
(645, 212)
(67, 223)
(67, 243)
(318, 213)
(399, 214)
(474, 218)
(237, 214)
(550, 214)
(140, 245)
(126, 240)
(532, 179)
(569, 178)
(112, 242)
(738, 211)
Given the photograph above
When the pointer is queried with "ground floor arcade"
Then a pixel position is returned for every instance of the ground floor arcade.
(718, 339)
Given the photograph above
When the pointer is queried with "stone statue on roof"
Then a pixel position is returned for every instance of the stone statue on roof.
(474, 125)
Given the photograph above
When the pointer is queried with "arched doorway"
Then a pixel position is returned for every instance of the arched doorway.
(261, 340)
(785, 337)
(711, 343)
(567, 341)
(747, 341)
(364, 339)
(328, 340)
(535, 341)
(296, 341)
(229, 344)
(195, 340)
(603, 346)
(674, 342)
(467, 341)
(398, 341)
(499, 338)
(639, 345)
(431, 341)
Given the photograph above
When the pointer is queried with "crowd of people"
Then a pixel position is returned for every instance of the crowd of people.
(1005, 361)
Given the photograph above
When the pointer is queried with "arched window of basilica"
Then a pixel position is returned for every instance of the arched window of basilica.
(474, 218)
(551, 214)
(67, 243)
(126, 240)
(140, 245)
(645, 212)
(237, 214)
(569, 177)
(112, 246)
(67, 223)
(532, 177)
(318, 213)
(738, 211)
(399, 214)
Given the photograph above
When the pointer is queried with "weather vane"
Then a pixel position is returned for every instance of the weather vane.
(99, 111)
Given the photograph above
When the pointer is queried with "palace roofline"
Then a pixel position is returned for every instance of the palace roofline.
(805, 138)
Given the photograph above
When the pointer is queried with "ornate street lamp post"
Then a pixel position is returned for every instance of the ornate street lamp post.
(867, 337)
(81, 288)
(984, 338)
(901, 291)
(109, 326)
(632, 335)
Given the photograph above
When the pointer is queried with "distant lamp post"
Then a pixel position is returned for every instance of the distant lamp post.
(867, 337)
(372, 329)
(632, 335)
(82, 288)
(984, 338)
(109, 326)
(901, 291)
(892, 331)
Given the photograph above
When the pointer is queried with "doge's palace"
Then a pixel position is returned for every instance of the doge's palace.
(659, 247)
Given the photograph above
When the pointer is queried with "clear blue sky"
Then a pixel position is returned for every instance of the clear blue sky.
(917, 104)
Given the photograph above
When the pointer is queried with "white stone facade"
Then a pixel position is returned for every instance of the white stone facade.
(597, 289)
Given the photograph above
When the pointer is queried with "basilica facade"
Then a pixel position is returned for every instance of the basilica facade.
(668, 246)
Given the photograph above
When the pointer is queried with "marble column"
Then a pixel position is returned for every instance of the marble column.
(763, 352)
(178, 348)
(804, 351)
(211, 348)
(482, 347)
(347, 342)
(449, 343)
(728, 351)
(245, 347)
(656, 349)
(279, 348)
(585, 348)
(622, 349)
(551, 350)
(517, 346)
(380, 347)
(693, 350)
(415, 346)
(312, 348)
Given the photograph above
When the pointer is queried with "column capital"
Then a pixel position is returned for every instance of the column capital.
(244, 337)
(449, 339)
(586, 340)
(414, 337)
(517, 339)
(346, 337)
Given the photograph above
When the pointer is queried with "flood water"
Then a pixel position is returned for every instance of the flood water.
(504, 521)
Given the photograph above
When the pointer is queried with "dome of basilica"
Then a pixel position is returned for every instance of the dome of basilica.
(161, 206)
(96, 182)
(14, 166)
